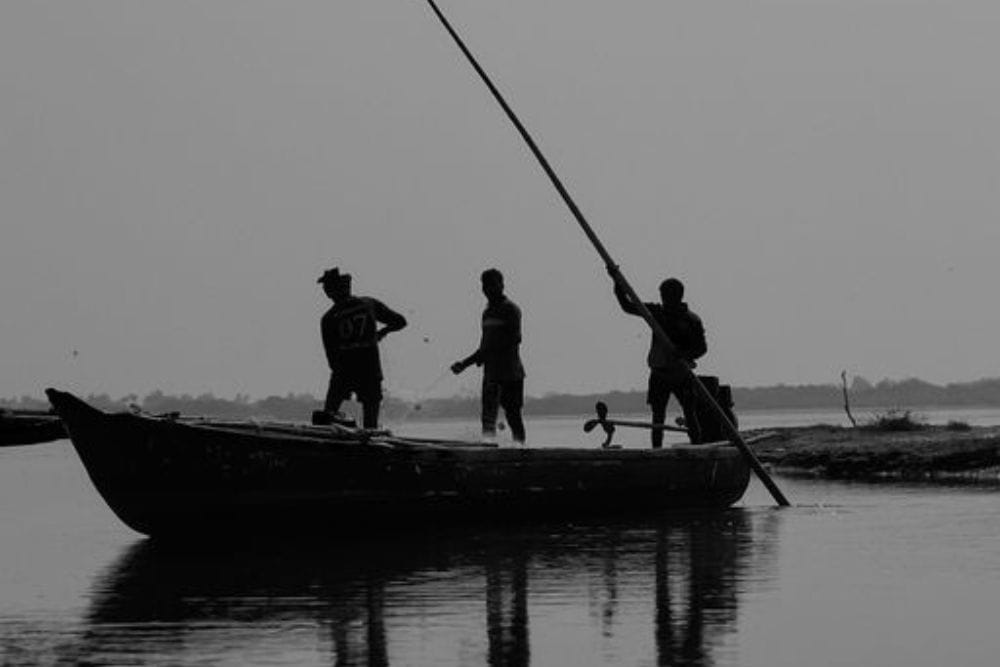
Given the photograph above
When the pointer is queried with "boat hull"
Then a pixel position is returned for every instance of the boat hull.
(165, 477)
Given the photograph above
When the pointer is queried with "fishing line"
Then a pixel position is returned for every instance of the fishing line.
(414, 399)
(417, 403)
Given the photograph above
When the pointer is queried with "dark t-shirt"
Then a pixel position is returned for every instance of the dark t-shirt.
(684, 329)
(499, 347)
(350, 335)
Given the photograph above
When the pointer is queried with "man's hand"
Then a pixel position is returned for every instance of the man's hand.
(458, 367)
(612, 270)
(385, 331)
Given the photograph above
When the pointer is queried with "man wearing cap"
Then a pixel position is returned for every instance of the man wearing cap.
(350, 339)
(503, 373)
(667, 372)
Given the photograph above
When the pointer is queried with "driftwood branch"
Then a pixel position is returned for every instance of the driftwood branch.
(847, 402)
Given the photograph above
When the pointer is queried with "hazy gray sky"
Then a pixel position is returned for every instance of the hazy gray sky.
(824, 175)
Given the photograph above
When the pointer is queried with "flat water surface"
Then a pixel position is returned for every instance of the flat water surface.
(853, 574)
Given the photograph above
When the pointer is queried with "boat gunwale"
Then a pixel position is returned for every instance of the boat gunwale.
(279, 437)
(289, 434)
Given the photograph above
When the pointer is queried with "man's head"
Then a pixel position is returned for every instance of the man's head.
(671, 291)
(492, 284)
(335, 284)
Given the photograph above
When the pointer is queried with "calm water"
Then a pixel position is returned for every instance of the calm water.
(852, 575)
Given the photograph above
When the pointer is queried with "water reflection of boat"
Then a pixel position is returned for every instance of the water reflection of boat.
(167, 477)
(483, 597)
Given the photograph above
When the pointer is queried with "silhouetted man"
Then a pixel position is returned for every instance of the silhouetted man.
(668, 373)
(503, 373)
(350, 339)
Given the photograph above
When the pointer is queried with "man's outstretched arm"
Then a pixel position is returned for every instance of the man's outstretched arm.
(474, 359)
(624, 301)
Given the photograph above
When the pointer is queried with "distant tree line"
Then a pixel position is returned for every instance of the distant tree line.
(885, 393)
(911, 392)
(291, 407)
(862, 393)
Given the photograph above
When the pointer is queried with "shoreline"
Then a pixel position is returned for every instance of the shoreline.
(931, 453)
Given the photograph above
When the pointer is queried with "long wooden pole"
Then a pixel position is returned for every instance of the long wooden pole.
(661, 335)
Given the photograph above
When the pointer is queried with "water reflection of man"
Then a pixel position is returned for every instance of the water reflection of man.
(507, 606)
(350, 339)
(358, 627)
(700, 567)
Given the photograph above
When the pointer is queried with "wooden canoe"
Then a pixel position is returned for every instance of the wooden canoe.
(176, 477)
(29, 427)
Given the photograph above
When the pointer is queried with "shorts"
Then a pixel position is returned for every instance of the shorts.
(367, 387)
(663, 383)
